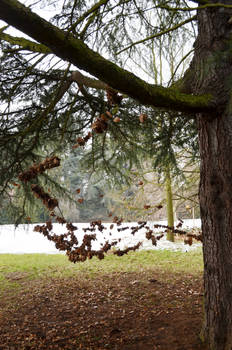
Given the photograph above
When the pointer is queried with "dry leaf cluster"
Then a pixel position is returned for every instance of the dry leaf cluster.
(68, 241)
(40, 168)
(113, 97)
(142, 118)
(81, 141)
(47, 200)
(99, 126)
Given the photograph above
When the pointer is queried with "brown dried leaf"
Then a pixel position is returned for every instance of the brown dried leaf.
(142, 117)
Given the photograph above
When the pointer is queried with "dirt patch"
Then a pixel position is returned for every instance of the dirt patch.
(123, 311)
(15, 276)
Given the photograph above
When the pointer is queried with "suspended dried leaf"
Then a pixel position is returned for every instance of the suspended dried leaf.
(99, 126)
(49, 225)
(125, 251)
(113, 97)
(142, 118)
(37, 169)
(88, 136)
(109, 114)
(49, 202)
(60, 220)
(188, 240)
(153, 240)
(80, 141)
(16, 185)
(104, 117)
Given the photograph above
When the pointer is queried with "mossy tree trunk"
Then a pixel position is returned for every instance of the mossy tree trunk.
(213, 73)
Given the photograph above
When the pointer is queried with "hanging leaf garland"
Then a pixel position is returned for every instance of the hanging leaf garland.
(69, 242)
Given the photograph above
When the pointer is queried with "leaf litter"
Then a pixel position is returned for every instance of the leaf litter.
(148, 310)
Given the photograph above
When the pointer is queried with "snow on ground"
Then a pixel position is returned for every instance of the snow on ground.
(23, 239)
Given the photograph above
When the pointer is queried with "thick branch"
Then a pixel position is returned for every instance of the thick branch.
(76, 52)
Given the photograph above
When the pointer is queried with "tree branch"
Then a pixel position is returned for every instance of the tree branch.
(25, 44)
(32, 46)
(87, 81)
(76, 52)
(93, 9)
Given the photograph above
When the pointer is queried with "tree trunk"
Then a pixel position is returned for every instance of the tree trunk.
(216, 214)
(213, 73)
(169, 205)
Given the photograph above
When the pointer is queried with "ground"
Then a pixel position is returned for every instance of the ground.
(145, 310)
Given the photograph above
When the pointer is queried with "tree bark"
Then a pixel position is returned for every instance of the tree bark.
(213, 72)
(216, 213)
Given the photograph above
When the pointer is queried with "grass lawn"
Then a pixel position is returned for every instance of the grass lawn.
(17, 267)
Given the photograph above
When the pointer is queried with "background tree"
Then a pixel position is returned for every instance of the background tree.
(147, 187)
(204, 93)
(87, 189)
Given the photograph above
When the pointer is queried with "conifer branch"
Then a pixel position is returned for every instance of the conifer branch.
(25, 44)
(158, 34)
(78, 53)
(93, 9)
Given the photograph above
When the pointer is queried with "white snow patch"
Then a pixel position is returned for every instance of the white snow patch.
(23, 239)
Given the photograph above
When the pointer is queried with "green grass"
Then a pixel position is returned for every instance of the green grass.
(15, 268)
